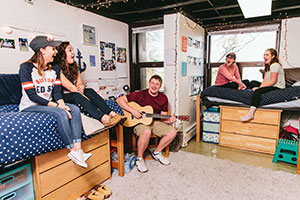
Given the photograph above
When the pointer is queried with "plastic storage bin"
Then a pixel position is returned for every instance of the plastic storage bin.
(16, 183)
(211, 125)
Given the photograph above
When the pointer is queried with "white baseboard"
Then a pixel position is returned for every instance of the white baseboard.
(187, 135)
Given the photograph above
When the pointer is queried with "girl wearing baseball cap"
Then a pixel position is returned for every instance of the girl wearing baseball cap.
(41, 92)
(228, 74)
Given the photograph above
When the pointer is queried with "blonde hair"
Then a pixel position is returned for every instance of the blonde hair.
(38, 58)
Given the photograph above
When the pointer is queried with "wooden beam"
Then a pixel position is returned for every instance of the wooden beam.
(216, 8)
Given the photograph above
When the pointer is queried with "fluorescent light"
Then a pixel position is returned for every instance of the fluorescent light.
(255, 8)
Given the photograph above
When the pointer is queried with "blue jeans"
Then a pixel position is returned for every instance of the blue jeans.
(69, 129)
(95, 106)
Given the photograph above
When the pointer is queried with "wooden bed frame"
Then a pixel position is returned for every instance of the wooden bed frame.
(198, 129)
(56, 177)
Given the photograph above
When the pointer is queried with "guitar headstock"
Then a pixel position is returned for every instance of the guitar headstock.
(184, 117)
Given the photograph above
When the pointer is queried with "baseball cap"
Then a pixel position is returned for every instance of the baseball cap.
(41, 42)
(231, 55)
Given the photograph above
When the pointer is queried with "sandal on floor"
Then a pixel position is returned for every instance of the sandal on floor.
(106, 191)
(94, 195)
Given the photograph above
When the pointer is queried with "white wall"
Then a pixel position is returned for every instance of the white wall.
(181, 103)
(290, 43)
(64, 23)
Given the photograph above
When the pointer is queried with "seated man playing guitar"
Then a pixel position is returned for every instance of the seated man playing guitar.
(162, 128)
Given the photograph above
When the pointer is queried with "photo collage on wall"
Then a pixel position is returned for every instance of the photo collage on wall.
(196, 83)
(192, 43)
(110, 55)
(107, 56)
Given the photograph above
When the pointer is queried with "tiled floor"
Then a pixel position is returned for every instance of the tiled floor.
(236, 155)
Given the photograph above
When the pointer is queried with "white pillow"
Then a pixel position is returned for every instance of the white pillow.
(90, 125)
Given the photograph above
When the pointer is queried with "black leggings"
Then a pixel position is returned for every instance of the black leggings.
(248, 84)
(255, 100)
(95, 106)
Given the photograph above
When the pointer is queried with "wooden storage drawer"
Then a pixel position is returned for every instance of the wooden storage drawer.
(248, 142)
(253, 129)
(262, 116)
(60, 156)
(57, 177)
(62, 174)
(85, 182)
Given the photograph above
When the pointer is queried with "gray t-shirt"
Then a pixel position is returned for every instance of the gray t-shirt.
(276, 68)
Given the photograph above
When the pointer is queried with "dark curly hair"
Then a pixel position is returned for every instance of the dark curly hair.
(70, 71)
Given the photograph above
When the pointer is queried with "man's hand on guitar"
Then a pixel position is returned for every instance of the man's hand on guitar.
(137, 114)
(173, 119)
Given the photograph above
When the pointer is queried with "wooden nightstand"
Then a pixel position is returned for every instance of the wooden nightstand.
(260, 134)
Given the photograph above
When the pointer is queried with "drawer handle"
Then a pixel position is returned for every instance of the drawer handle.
(7, 180)
(9, 196)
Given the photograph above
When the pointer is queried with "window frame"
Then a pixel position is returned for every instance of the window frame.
(135, 83)
(241, 65)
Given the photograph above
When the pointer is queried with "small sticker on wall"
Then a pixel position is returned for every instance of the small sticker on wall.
(23, 44)
(92, 61)
(7, 43)
(184, 44)
(183, 68)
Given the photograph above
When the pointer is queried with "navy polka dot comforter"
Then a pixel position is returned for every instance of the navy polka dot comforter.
(244, 96)
(24, 135)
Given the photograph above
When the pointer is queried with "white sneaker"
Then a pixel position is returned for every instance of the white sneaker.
(159, 157)
(86, 156)
(77, 158)
(140, 165)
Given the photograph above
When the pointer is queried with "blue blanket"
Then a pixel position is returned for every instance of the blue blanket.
(24, 134)
(244, 96)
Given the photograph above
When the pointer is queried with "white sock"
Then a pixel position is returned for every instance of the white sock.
(249, 115)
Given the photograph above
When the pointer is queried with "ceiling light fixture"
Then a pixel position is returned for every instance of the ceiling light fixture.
(255, 8)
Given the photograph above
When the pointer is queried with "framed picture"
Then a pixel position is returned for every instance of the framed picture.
(89, 34)
(196, 85)
(121, 55)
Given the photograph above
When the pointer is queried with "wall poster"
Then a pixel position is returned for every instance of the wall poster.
(121, 55)
(89, 34)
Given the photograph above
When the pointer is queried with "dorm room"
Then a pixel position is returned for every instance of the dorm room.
(118, 46)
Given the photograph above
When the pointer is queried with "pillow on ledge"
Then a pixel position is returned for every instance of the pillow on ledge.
(292, 75)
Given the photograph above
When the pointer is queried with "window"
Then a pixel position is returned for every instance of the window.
(151, 46)
(148, 54)
(249, 46)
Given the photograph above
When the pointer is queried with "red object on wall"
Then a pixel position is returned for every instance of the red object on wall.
(184, 44)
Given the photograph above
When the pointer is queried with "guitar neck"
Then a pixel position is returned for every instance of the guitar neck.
(158, 116)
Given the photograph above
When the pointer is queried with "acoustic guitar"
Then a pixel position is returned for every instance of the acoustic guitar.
(147, 115)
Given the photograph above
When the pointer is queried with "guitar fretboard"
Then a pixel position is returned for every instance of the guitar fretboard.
(158, 116)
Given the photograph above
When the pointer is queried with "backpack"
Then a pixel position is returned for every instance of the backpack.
(289, 133)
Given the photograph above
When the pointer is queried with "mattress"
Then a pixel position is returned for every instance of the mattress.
(287, 98)
(27, 134)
